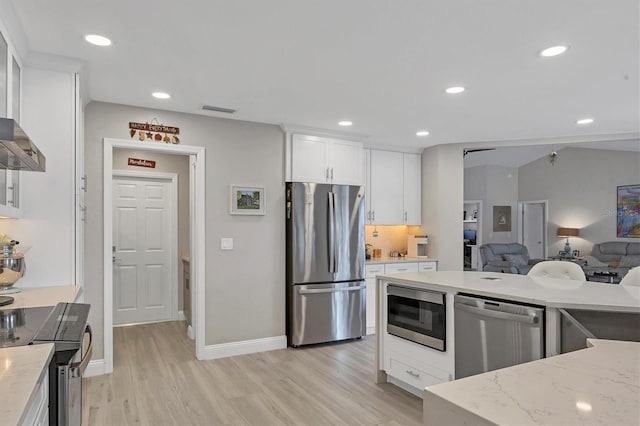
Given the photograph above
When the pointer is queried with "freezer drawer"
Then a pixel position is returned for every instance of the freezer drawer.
(326, 312)
(492, 334)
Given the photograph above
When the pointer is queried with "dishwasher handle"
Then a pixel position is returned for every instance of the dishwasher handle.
(529, 319)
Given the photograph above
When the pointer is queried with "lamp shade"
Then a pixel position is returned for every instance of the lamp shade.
(568, 232)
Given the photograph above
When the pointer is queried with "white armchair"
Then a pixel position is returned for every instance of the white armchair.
(632, 277)
(557, 269)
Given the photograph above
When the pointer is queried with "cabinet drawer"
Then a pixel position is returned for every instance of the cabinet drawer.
(372, 270)
(390, 268)
(418, 376)
(427, 266)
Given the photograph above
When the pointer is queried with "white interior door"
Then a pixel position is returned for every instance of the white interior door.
(533, 229)
(142, 238)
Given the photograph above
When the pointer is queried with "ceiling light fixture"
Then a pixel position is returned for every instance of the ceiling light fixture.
(345, 123)
(455, 89)
(585, 121)
(161, 95)
(422, 133)
(97, 40)
(553, 51)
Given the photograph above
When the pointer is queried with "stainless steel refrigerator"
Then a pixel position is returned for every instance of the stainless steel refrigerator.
(326, 292)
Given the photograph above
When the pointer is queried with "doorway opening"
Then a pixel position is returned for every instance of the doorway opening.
(196, 172)
(472, 233)
(532, 227)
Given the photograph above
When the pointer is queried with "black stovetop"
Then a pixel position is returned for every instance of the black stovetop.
(18, 326)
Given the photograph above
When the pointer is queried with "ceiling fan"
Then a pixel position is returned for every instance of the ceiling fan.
(467, 151)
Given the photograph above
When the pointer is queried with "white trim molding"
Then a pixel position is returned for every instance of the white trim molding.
(95, 368)
(244, 347)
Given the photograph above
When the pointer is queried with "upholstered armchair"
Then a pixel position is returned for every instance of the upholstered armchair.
(511, 258)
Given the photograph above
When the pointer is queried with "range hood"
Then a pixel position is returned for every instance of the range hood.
(17, 151)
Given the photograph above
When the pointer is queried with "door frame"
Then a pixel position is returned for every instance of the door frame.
(197, 169)
(545, 212)
(172, 179)
(478, 229)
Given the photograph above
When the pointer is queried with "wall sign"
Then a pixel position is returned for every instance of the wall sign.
(157, 132)
(141, 163)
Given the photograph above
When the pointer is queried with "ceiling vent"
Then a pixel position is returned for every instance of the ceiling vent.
(218, 109)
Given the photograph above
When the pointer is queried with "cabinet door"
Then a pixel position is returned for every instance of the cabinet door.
(386, 187)
(344, 160)
(412, 185)
(366, 175)
(371, 305)
(4, 89)
(308, 159)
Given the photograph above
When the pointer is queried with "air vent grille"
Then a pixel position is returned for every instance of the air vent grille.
(218, 109)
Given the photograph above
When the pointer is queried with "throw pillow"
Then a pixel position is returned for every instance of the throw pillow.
(516, 259)
(629, 261)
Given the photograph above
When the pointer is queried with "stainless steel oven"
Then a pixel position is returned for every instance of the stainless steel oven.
(417, 315)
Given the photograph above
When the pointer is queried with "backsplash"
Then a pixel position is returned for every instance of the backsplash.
(390, 238)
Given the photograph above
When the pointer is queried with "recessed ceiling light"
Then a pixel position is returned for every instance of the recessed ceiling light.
(455, 89)
(97, 40)
(554, 51)
(585, 121)
(422, 133)
(161, 95)
(345, 123)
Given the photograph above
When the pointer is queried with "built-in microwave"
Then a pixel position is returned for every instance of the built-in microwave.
(418, 315)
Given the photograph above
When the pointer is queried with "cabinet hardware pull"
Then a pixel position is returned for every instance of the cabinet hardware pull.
(332, 173)
(374, 215)
(84, 214)
(413, 374)
(13, 195)
(402, 269)
(405, 216)
(327, 174)
(84, 183)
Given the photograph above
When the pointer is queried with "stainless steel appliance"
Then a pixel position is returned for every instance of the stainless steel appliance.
(325, 251)
(578, 325)
(64, 325)
(17, 151)
(417, 315)
(492, 334)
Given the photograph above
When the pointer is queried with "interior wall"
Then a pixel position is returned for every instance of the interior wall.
(581, 189)
(244, 290)
(496, 186)
(166, 163)
(442, 204)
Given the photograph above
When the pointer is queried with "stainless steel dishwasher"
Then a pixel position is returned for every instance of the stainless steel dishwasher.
(492, 334)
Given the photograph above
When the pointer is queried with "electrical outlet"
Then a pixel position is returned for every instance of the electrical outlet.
(226, 243)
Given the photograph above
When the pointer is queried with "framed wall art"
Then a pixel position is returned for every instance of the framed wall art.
(628, 211)
(501, 218)
(246, 200)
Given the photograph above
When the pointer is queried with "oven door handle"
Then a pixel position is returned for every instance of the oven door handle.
(77, 368)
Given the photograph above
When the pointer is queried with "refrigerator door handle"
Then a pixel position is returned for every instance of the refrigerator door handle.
(332, 233)
(332, 290)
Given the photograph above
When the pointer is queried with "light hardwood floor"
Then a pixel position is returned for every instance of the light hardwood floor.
(157, 381)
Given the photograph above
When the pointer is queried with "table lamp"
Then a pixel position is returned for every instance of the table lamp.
(566, 233)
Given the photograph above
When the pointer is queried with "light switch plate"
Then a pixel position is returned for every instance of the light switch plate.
(226, 243)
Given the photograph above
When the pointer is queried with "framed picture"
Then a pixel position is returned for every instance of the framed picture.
(501, 218)
(246, 200)
(628, 212)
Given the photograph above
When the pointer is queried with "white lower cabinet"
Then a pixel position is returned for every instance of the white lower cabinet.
(427, 266)
(37, 413)
(394, 268)
(414, 372)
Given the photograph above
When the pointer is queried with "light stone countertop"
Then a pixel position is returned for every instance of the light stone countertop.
(403, 259)
(598, 385)
(550, 292)
(20, 369)
(31, 297)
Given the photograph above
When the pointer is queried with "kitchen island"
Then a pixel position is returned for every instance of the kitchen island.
(31, 297)
(416, 367)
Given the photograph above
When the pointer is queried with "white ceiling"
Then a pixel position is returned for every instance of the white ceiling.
(382, 64)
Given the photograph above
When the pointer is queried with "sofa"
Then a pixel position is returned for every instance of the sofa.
(613, 256)
(511, 258)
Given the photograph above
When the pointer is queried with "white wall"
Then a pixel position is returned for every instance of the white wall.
(581, 189)
(496, 186)
(245, 297)
(166, 163)
(442, 204)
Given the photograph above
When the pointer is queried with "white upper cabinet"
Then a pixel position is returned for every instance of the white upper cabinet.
(393, 193)
(386, 188)
(324, 160)
(412, 185)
